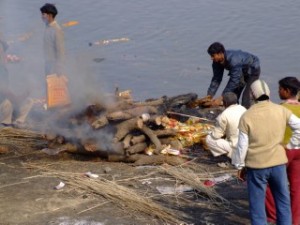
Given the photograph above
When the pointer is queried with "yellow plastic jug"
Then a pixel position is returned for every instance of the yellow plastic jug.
(57, 91)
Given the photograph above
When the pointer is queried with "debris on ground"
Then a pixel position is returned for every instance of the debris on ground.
(165, 177)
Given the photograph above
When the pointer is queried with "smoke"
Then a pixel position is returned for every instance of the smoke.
(23, 28)
(84, 134)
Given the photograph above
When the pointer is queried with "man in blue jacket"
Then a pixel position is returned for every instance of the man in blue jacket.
(243, 67)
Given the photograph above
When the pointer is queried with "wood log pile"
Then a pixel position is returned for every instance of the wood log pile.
(130, 131)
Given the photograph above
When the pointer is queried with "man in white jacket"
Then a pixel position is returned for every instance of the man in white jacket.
(224, 137)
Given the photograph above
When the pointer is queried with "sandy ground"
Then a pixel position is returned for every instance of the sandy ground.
(28, 194)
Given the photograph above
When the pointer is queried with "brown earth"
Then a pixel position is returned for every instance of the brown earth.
(28, 196)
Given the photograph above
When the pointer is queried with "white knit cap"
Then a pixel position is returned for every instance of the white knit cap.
(259, 88)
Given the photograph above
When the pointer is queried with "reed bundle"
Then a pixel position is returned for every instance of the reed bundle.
(118, 194)
(189, 177)
(20, 138)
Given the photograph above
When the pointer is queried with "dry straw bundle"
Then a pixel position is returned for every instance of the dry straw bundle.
(118, 194)
(20, 138)
(189, 177)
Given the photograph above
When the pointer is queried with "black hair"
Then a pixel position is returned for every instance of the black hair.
(290, 83)
(229, 98)
(215, 48)
(49, 9)
(263, 98)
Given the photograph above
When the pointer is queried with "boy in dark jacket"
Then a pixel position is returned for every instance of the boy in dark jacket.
(243, 67)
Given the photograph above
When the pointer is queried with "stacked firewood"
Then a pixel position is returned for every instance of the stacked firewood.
(126, 130)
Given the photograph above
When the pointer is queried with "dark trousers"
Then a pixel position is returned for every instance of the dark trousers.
(244, 88)
(247, 101)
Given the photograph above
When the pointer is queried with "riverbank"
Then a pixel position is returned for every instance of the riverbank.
(29, 196)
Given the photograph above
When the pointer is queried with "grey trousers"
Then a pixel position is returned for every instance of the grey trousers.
(7, 109)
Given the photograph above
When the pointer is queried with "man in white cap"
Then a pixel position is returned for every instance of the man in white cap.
(260, 150)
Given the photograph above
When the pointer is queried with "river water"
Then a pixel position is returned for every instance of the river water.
(166, 52)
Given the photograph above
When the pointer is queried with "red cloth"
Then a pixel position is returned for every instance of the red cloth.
(270, 206)
(293, 171)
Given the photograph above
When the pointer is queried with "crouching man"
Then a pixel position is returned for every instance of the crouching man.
(224, 137)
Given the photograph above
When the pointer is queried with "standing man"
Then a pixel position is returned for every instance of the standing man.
(224, 137)
(288, 89)
(260, 150)
(3, 66)
(243, 67)
(53, 42)
(13, 109)
(5, 110)
(57, 89)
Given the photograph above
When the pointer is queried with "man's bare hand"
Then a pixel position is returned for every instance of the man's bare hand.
(217, 101)
(241, 174)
